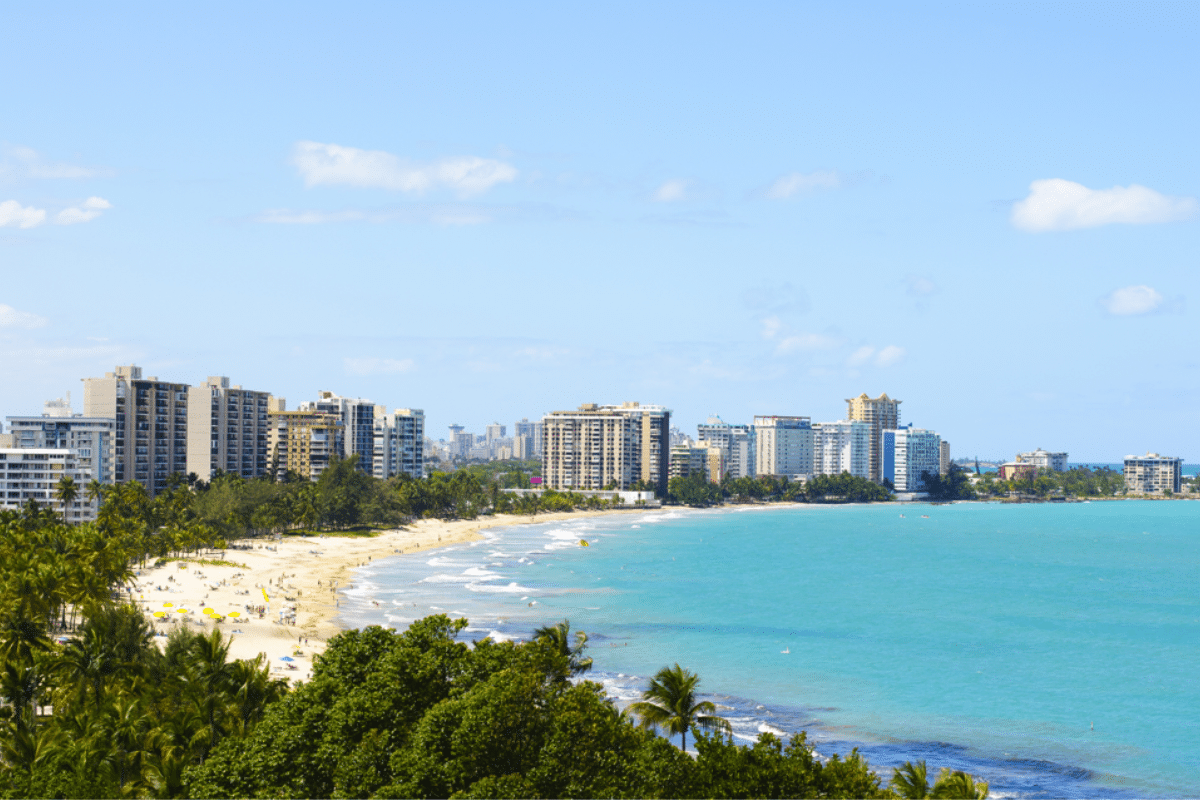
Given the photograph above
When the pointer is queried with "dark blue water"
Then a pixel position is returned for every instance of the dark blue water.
(1052, 650)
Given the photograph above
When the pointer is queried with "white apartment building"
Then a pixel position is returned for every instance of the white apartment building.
(783, 446)
(227, 430)
(1043, 460)
(33, 473)
(843, 446)
(495, 431)
(907, 453)
(358, 426)
(599, 446)
(150, 440)
(58, 429)
(399, 443)
(737, 443)
(1153, 474)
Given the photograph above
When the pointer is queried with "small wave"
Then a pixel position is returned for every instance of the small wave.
(512, 588)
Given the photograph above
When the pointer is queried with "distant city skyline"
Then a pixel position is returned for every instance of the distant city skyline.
(988, 211)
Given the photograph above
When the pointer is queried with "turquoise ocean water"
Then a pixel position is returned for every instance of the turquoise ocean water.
(1053, 650)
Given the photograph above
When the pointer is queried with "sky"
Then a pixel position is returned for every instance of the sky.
(493, 211)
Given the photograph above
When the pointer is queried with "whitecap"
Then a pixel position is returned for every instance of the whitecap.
(511, 588)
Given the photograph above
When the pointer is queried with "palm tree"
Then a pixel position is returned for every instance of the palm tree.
(670, 703)
(66, 492)
(559, 638)
(958, 785)
(911, 781)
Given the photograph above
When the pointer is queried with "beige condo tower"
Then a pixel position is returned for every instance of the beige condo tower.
(880, 413)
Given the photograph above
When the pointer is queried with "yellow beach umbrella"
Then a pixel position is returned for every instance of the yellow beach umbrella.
(167, 605)
(208, 611)
(160, 614)
(181, 611)
(235, 613)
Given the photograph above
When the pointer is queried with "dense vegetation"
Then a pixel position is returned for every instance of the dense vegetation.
(1077, 482)
(697, 490)
(93, 708)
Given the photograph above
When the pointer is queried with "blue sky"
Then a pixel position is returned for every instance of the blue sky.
(491, 212)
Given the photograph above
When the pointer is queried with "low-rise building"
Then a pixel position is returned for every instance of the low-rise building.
(1153, 474)
(1044, 460)
(1017, 470)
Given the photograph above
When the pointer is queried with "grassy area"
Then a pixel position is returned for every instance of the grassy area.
(357, 532)
(207, 562)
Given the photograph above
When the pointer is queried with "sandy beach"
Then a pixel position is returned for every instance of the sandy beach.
(301, 576)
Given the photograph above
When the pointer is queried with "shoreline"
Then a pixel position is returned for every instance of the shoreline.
(302, 577)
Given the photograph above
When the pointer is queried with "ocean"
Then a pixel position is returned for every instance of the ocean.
(1050, 649)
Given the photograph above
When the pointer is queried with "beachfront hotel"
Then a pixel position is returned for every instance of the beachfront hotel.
(358, 426)
(59, 429)
(1153, 474)
(599, 446)
(399, 443)
(908, 453)
(150, 432)
(698, 459)
(33, 473)
(1044, 460)
(226, 430)
(784, 446)
(302, 442)
(880, 413)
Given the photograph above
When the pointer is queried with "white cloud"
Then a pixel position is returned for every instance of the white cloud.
(861, 355)
(889, 355)
(788, 185)
(1132, 300)
(24, 162)
(671, 191)
(86, 211)
(920, 287)
(377, 366)
(13, 214)
(332, 164)
(1060, 205)
(438, 215)
(771, 327)
(805, 342)
(12, 318)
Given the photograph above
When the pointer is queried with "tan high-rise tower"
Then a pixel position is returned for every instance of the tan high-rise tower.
(881, 413)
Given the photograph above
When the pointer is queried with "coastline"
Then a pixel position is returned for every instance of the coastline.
(299, 573)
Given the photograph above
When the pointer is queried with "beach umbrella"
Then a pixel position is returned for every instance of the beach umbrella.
(160, 614)
(181, 611)
(167, 605)
(208, 611)
(287, 658)
(235, 613)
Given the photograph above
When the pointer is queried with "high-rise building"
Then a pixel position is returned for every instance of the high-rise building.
(784, 446)
(495, 431)
(58, 429)
(531, 429)
(227, 430)
(737, 442)
(601, 446)
(907, 454)
(33, 473)
(704, 459)
(302, 442)
(399, 442)
(842, 446)
(150, 432)
(522, 447)
(880, 414)
(358, 426)
(1044, 460)
(944, 459)
(1153, 474)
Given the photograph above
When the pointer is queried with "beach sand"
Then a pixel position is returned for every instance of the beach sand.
(301, 576)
